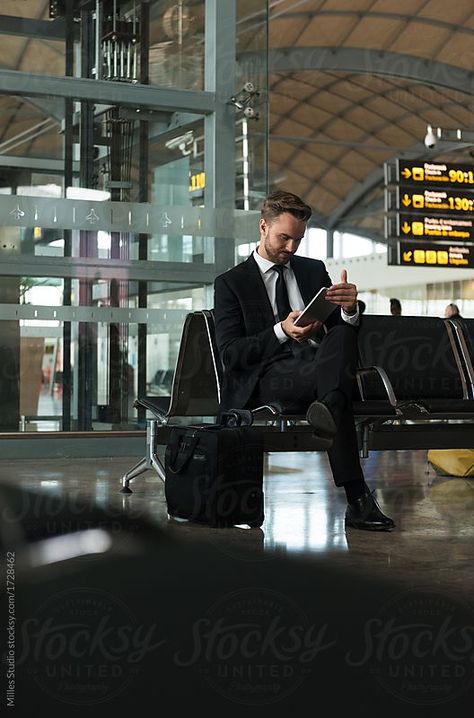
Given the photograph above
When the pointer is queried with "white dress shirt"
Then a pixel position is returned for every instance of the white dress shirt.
(294, 295)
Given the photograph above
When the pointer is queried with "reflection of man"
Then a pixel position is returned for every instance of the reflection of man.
(268, 359)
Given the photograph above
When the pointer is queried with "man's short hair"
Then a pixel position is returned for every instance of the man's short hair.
(278, 202)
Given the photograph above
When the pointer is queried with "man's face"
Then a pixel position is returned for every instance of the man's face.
(281, 237)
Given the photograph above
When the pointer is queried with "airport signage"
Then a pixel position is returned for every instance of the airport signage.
(415, 254)
(435, 173)
(197, 182)
(438, 199)
(460, 229)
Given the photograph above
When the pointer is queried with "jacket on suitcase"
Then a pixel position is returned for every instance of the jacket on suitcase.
(214, 475)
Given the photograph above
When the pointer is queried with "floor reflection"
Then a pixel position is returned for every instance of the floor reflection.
(304, 512)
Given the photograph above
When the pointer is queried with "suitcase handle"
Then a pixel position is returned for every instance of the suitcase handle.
(178, 457)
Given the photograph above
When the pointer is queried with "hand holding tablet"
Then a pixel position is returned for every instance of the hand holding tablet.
(318, 309)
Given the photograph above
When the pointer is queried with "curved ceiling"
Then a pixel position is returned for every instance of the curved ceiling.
(353, 85)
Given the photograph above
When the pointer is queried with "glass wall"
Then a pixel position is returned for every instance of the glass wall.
(113, 223)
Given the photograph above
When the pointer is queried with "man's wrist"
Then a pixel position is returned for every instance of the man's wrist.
(280, 333)
(350, 312)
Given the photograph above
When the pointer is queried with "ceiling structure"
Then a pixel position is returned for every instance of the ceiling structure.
(354, 84)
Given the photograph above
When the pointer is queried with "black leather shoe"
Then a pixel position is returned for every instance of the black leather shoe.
(324, 414)
(365, 513)
(320, 417)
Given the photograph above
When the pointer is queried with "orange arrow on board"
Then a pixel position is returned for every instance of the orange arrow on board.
(406, 227)
(406, 200)
(406, 172)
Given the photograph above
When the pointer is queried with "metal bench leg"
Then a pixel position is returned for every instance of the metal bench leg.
(150, 461)
(153, 458)
(139, 468)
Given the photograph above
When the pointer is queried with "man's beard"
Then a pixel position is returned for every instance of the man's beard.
(278, 257)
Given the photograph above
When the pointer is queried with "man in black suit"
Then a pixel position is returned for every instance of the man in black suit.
(266, 358)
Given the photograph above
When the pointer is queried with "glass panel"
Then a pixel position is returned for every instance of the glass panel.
(176, 50)
(176, 166)
(78, 332)
(31, 131)
(112, 230)
(41, 353)
(105, 243)
(41, 57)
(104, 352)
(41, 47)
(40, 378)
(173, 36)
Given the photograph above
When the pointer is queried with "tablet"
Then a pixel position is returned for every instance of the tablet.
(318, 309)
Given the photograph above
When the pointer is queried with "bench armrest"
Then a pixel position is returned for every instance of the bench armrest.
(407, 409)
(274, 410)
(158, 405)
(383, 380)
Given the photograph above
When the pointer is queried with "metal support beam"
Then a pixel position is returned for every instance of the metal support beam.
(144, 196)
(36, 29)
(179, 124)
(329, 243)
(219, 127)
(323, 140)
(372, 62)
(36, 165)
(70, 167)
(19, 265)
(52, 107)
(353, 197)
(369, 14)
(13, 82)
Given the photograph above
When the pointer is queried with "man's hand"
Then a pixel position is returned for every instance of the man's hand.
(299, 334)
(344, 294)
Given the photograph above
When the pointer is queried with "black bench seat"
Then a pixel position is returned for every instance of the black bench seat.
(415, 390)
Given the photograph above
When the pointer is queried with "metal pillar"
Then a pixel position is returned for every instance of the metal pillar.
(68, 181)
(87, 340)
(143, 196)
(219, 127)
(330, 243)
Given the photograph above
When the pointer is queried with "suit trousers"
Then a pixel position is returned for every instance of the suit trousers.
(300, 374)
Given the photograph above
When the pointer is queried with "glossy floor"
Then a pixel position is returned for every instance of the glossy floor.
(304, 513)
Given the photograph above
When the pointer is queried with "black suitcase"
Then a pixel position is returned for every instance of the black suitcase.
(214, 475)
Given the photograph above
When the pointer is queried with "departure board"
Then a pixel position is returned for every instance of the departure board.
(417, 254)
(438, 199)
(436, 227)
(435, 173)
(429, 213)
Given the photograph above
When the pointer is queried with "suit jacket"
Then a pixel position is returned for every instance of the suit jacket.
(244, 323)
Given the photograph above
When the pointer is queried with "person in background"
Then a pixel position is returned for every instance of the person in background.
(395, 307)
(452, 310)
